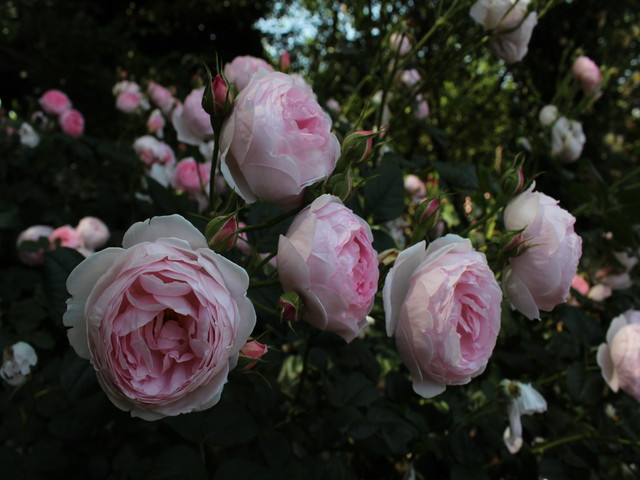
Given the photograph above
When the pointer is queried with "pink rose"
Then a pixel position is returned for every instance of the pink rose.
(255, 350)
(161, 97)
(443, 306)
(162, 320)
(511, 31)
(54, 102)
(127, 102)
(191, 176)
(150, 150)
(65, 236)
(619, 358)
(400, 43)
(422, 109)
(191, 122)
(540, 277)
(242, 68)
(587, 72)
(93, 232)
(125, 86)
(410, 78)
(155, 123)
(415, 186)
(33, 234)
(327, 257)
(72, 122)
(276, 141)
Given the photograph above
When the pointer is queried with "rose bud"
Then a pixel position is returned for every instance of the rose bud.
(290, 306)
(65, 236)
(35, 234)
(254, 350)
(93, 232)
(357, 146)
(587, 72)
(548, 114)
(220, 233)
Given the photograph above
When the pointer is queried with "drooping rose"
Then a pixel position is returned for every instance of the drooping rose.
(327, 258)
(33, 234)
(511, 31)
(93, 232)
(587, 72)
(567, 139)
(619, 358)
(71, 122)
(162, 320)
(540, 277)
(54, 102)
(191, 122)
(442, 304)
(276, 141)
(241, 69)
(17, 362)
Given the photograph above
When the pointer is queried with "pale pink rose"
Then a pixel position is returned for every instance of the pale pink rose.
(162, 320)
(155, 123)
(540, 277)
(587, 72)
(422, 110)
(93, 232)
(599, 292)
(150, 150)
(443, 305)
(28, 136)
(334, 105)
(54, 102)
(72, 122)
(511, 31)
(621, 280)
(327, 257)
(410, 78)
(127, 102)
(277, 141)
(548, 114)
(567, 139)
(125, 86)
(192, 123)
(241, 70)
(619, 358)
(65, 236)
(580, 285)
(415, 186)
(33, 234)
(255, 350)
(191, 176)
(400, 43)
(161, 97)
(18, 360)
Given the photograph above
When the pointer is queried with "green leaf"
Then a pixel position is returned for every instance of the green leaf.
(58, 264)
(229, 424)
(460, 175)
(384, 192)
(177, 463)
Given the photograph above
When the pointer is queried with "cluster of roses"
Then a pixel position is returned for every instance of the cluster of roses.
(90, 234)
(164, 319)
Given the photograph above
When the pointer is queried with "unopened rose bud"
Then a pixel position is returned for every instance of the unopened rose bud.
(220, 233)
(429, 211)
(285, 62)
(512, 181)
(290, 306)
(341, 185)
(220, 94)
(548, 114)
(357, 146)
(253, 350)
(93, 232)
(18, 360)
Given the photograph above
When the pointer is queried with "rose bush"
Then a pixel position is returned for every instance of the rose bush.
(539, 278)
(276, 141)
(162, 320)
(442, 304)
(327, 257)
(619, 358)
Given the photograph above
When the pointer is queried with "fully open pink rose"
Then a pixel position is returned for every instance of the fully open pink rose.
(54, 102)
(443, 306)
(93, 232)
(540, 277)
(241, 69)
(619, 358)
(277, 141)
(327, 257)
(33, 234)
(587, 72)
(511, 30)
(72, 122)
(162, 320)
(191, 122)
